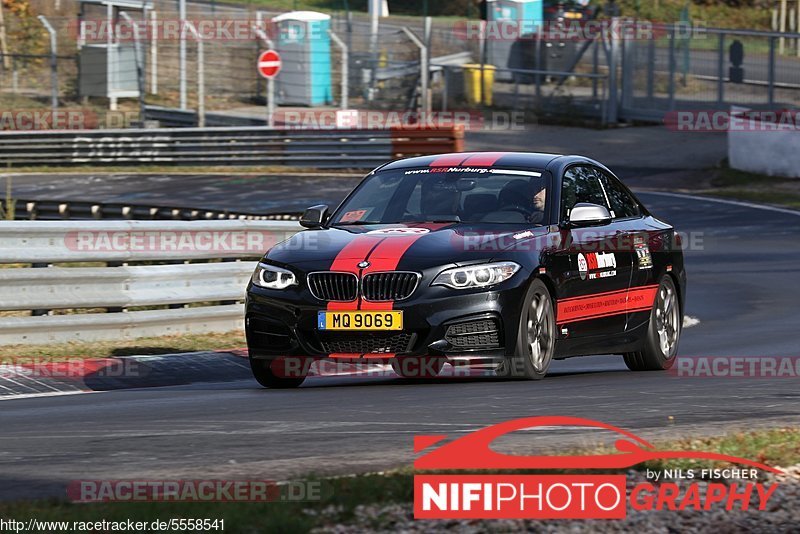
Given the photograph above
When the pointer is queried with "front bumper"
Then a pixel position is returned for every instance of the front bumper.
(438, 321)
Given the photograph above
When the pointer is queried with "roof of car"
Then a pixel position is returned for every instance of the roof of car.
(534, 160)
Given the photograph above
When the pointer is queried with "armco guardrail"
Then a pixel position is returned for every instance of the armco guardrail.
(356, 148)
(185, 118)
(70, 241)
(213, 289)
(50, 210)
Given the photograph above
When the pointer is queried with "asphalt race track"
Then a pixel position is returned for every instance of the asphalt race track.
(742, 287)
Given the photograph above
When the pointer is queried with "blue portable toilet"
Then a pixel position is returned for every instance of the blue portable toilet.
(304, 44)
(525, 16)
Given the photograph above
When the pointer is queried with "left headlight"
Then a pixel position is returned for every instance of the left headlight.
(271, 277)
(474, 276)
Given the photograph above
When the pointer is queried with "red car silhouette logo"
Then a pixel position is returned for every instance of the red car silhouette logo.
(474, 451)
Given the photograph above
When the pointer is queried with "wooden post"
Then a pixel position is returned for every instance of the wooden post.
(3, 41)
(782, 27)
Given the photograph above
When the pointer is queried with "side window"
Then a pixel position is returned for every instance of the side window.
(580, 184)
(623, 206)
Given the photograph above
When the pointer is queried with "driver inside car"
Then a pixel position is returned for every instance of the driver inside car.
(525, 197)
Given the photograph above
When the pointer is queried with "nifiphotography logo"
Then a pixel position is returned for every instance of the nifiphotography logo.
(481, 495)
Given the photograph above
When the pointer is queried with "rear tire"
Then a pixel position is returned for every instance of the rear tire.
(273, 373)
(536, 336)
(663, 332)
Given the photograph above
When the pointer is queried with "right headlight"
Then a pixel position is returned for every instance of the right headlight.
(271, 277)
(476, 276)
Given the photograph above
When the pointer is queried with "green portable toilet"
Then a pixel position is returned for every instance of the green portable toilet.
(304, 44)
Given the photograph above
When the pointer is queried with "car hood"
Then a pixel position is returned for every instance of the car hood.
(413, 246)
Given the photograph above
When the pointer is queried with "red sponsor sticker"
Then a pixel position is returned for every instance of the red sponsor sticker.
(354, 215)
(606, 304)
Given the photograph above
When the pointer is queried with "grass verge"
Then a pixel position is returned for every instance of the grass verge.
(750, 187)
(115, 348)
(341, 496)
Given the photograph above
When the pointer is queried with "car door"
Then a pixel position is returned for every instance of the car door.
(596, 270)
(628, 215)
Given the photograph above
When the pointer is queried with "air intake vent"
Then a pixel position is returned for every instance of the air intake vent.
(335, 287)
(482, 334)
(379, 287)
(368, 343)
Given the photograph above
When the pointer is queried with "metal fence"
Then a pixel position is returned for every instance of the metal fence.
(609, 76)
(707, 69)
(85, 301)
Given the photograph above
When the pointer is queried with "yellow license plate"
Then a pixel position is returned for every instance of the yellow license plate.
(360, 320)
(573, 15)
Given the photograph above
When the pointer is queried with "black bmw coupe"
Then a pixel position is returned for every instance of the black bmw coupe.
(492, 259)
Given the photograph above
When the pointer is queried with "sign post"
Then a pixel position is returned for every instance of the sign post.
(269, 65)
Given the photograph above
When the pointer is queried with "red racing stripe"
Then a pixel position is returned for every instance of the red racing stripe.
(449, 160)
(387, 256)
(347, 260)
(484, 159)
(605, 304)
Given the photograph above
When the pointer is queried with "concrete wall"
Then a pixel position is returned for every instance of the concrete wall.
(758, 150)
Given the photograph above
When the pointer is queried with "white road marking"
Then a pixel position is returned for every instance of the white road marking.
(18, 371)
(46, 394)
(739, 203)
(689, 321)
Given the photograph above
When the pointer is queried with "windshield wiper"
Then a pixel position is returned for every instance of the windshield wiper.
(355, 223)
(444, 219)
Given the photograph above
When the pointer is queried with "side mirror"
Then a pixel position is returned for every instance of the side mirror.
(314, 217)
(586, 214)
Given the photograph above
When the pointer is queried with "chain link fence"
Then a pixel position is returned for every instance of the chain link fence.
(604, 76)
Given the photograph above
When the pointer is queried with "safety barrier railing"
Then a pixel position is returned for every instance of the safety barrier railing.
(97, 280)
(320, 148)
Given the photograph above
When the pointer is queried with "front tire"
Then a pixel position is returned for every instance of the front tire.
(663, 333)
(535, 337)
(275, 374)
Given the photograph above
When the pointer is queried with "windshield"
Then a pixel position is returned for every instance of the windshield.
(447, 194)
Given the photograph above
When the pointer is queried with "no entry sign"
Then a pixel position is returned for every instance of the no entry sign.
(269, 64)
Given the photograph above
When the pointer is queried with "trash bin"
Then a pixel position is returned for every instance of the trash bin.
(472, 83)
